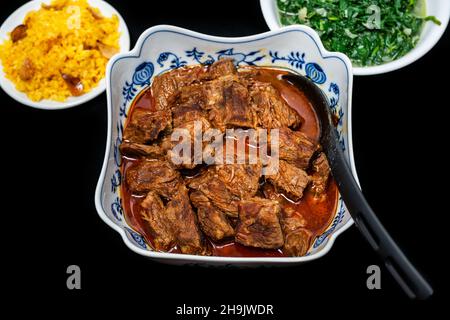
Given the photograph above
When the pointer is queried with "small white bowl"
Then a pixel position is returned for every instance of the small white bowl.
(431, 34)
(162, 48)
(17, 18)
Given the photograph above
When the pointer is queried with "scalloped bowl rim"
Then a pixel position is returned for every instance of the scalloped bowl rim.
(214, 260)
(434, 33)
(9, 87)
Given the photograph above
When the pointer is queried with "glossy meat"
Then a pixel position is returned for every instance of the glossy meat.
(153, 212)
(296, 148)
(289, 180)
(184, 223)
(213, 222)
(272, 111)
(210, 185)
(259, 224)
(153, 175)
(145, 126)
(131, 149)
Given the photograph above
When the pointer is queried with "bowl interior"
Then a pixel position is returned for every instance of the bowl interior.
(163, 48)
(17, 18)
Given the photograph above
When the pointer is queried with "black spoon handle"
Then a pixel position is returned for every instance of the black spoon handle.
(411, 281)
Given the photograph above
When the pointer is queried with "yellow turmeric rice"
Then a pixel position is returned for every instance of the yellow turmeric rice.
(60, 50)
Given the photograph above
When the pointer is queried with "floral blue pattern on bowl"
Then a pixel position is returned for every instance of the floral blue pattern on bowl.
(162, 48)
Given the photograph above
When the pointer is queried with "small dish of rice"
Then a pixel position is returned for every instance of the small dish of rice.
(53, 54)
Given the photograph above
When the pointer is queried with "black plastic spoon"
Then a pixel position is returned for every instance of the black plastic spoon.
(407, 276)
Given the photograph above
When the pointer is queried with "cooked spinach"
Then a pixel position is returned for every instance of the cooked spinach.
(369, 32)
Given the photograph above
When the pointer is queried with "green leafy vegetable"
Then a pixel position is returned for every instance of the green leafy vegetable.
(369, 32)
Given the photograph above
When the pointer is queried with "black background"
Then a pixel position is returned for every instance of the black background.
(51, 161)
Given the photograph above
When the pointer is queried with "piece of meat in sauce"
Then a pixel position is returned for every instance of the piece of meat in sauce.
(226, 184)
(272, 110)
(222, 67)
(238, 111)
(189, 106)
(297, 238)
(145, 125)
(153, 175)
(213, 222)
(153, 212)
(184, 223)
(209, 184)
(296, 148)
(320, 173)
(225, 101)
(131, 149)
(224, 97)
(241, 179)
(297, 243)
(165, 86)
(259, 224)
(209, 96)
(289, 180)
(190, 131)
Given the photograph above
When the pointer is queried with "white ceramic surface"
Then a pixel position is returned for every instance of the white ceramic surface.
(431, 34)
(17, 18)
(161, 48)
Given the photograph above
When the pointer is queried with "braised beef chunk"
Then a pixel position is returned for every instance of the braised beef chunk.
(297, 238)
(189, 131)
(296, 148)
(291, 220)
(194, 96)
(320, 173)
(153, 175)
(206, 99)
(297, 243)
(272, 111)
(131, 149)
(289, 180)
(213, 222)
(165, 86)
(242, 180)
(210, 185)
(153, 212)
(238, 111)
(189, 108)
(145, 125)
(226, 184)
(271, 193)
(259, 225)
(184, 114)
(184, 223)
(223, 67)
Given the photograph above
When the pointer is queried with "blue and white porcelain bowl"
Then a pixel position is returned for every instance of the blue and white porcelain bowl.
(161, 48)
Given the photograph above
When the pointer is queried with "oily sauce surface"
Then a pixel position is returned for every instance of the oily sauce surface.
(317, 213)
